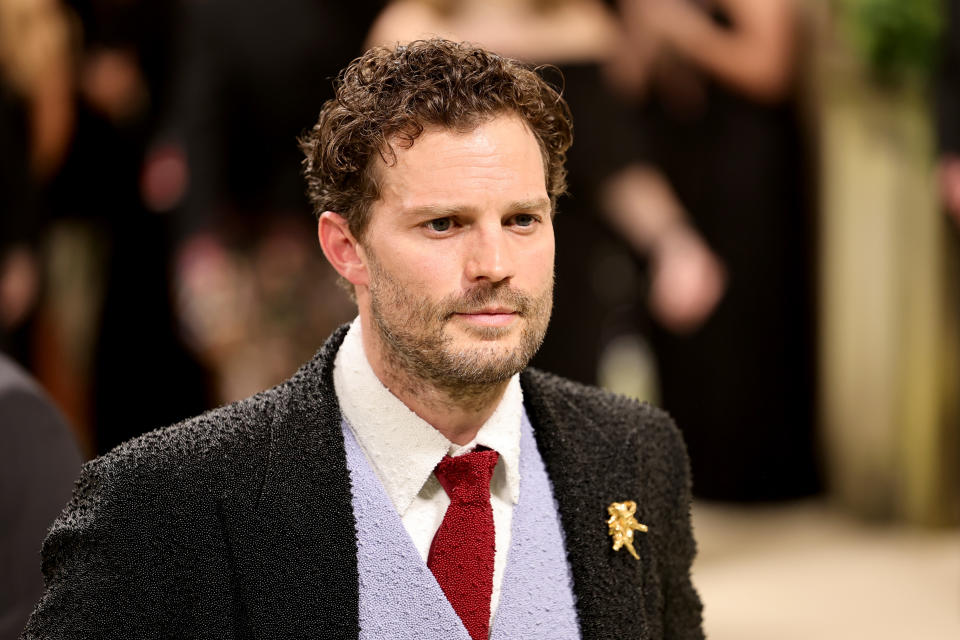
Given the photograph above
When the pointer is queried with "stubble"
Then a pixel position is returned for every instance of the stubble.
(419, 350)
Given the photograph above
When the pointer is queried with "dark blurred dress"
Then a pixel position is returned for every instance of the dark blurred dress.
(98, 187)
(741, 387)
(16, 201)
(251, 77)
(948, 83)
(598, 288)
(19, 221)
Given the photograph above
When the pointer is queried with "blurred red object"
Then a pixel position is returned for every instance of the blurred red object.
(164, 177)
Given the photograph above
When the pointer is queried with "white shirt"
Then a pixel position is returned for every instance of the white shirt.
(403, 450)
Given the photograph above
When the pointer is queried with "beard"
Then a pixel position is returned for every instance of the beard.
(417, 345)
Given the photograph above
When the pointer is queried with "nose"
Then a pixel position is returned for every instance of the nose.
(489, 254)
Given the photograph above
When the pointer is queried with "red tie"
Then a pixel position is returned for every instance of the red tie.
(461, 555)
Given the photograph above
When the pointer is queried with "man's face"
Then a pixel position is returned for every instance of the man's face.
(460, 250)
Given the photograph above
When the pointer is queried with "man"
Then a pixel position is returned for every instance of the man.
(409, 481)
(39, 461)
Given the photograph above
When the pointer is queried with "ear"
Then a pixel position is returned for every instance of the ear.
(343, 251)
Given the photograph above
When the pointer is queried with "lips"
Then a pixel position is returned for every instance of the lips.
(493, 311)
(490, 301)
(489, 318)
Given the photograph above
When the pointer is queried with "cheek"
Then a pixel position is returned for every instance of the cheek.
(550, 251)
(425, 274)
(538, 261)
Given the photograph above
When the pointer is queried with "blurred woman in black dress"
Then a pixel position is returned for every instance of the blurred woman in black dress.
(716, 79)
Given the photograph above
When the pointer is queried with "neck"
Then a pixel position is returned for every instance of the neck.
(456, 412)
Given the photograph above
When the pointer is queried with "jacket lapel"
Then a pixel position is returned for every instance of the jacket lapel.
(295, 551)
(590, 467)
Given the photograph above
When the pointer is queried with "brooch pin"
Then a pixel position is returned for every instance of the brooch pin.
(622, 524)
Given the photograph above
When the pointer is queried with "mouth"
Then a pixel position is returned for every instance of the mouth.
(491, 310)
(489, 316)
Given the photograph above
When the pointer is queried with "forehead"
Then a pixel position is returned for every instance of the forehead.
(497, 158)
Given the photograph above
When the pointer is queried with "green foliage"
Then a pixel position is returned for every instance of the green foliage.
(897, 39)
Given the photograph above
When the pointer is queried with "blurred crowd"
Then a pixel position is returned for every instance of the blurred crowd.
(157, 255)
(158, 251)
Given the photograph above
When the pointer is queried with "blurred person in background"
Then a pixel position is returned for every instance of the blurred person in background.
(36, 124)
(948, 111)
(39, 461)
(252, 292)
(108, 305)
(621, 209)
(716, 81)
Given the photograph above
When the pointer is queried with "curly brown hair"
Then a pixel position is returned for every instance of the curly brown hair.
(389, 95)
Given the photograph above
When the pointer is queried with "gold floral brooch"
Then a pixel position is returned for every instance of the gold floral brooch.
(622, 524)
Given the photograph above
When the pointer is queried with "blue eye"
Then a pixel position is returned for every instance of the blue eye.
(524, 219)
(440, 225)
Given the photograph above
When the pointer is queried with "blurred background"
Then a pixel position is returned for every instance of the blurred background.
(761, 236)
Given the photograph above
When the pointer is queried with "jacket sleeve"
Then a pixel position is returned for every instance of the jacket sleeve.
(134, 555)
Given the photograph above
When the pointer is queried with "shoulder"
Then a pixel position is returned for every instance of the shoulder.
(601, 424)
(211, 448)
(169, 486)
(33, 430)
(145, 527)
(16, 384)
(21, 396)
(233, 443)
(223, 454)
(600, 409)
(173, 475)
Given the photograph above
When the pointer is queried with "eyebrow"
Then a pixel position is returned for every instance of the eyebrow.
(443, 211)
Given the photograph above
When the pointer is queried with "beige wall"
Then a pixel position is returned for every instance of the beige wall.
(889, 278)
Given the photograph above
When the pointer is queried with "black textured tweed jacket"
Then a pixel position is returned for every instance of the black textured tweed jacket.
(238, 523)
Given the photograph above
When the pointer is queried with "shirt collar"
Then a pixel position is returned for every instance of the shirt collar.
(402, 447)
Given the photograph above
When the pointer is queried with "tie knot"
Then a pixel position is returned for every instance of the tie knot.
(467, 478)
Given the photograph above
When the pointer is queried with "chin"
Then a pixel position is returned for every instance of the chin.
(488, 334)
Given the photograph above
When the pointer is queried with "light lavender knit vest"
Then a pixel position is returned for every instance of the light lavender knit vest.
(399, 597)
